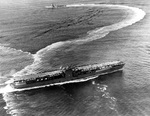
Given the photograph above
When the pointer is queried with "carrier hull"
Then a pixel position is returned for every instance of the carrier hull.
(65, 77)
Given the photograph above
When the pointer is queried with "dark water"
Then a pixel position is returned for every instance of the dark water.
(45, 39)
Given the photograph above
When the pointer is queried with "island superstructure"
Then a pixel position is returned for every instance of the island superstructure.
(66, 74)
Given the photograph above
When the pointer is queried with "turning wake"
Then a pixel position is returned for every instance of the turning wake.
(134, 15)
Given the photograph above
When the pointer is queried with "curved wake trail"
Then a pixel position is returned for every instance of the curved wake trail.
(134, 15)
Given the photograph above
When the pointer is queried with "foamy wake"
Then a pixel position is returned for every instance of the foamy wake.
(134, 15)
(3, 47)
(111, 101)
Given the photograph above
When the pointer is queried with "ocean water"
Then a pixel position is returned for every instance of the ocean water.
(34, 39)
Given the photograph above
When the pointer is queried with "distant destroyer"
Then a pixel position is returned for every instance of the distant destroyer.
(54, 6)
(84, 72)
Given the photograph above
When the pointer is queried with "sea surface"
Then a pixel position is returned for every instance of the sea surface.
(34, 39)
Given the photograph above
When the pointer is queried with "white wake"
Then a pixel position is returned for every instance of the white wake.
(134, 15)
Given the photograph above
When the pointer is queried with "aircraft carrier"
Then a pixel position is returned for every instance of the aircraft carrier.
(66, 74)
